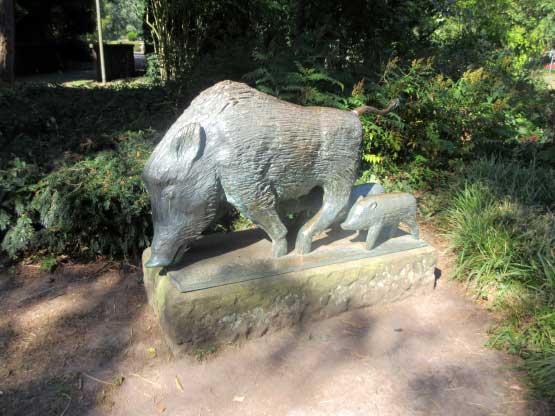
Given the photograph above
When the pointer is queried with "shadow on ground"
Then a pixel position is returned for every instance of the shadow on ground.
(421, 356)
(84, 342)
(56, 328)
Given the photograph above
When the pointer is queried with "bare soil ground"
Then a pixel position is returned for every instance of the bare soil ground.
(83, 341)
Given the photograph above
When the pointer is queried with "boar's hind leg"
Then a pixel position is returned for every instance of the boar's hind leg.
(270, 222)
(334, 201)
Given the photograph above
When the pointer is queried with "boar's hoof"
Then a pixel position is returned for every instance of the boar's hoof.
(303, 244)
(279, 248)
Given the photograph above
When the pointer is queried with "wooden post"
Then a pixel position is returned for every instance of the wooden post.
(7, 41)
(100, 42)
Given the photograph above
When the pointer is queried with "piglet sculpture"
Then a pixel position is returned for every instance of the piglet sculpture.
(382, 212)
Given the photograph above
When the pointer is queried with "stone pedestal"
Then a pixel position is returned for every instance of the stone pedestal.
(231, 290)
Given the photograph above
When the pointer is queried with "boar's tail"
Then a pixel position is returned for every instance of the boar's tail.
(373, 110)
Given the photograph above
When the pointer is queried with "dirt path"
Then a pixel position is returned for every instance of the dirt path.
(83, 342)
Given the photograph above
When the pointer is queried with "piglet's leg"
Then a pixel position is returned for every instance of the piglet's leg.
(373, 233)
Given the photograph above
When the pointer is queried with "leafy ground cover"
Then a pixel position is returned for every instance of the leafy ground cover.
(550, 78)
(501, 222)
(70, 162)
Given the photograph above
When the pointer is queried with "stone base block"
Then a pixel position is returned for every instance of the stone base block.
(252, 308)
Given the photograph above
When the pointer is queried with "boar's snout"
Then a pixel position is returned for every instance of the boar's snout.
(166, 250)
(158, 261)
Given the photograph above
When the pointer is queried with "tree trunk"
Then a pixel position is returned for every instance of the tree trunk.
(7, 41)
(300, 21)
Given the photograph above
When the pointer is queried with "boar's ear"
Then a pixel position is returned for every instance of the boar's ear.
(187, 142)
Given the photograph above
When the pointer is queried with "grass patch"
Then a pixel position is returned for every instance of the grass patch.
(549, 78)
(501, 223)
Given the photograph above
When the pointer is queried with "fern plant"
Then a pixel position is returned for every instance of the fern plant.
(285, 77)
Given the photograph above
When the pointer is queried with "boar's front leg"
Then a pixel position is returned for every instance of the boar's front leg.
(333, 202)
(268, 219)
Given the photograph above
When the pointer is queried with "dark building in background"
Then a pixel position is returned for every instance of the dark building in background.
(47, 35)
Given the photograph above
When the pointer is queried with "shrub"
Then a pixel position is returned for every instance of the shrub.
(442, 119)
(152, 67)
(503, 229)
(305, 83)
(17, 185)
(95, 206)
(69, 171)
(132, 35)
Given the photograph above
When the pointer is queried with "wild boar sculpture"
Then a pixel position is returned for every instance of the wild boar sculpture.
(236, 144)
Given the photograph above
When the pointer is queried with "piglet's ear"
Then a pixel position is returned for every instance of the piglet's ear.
(359, 199)
(185, 142)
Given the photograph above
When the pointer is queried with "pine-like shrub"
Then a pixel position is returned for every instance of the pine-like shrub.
(95, 206)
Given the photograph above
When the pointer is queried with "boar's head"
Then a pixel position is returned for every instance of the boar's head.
(183, 191)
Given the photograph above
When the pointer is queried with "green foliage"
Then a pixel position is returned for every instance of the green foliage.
(122, 18)
(132, 35)
(202, 353)
(503, 229)
(290, 80)
(152, 67)
(97, 205)
(49, 264)
(17, 184)
(46, 125)
(19, 237)
(443, 122)
(69, 171)
(358, 32)
(181, 29)
(476, 30)
(541, 368)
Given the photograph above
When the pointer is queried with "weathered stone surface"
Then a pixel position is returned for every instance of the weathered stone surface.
(252, 308)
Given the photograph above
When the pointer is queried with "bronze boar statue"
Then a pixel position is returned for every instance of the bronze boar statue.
(237, 145)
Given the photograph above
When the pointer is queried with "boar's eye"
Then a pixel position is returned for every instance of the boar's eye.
(168, 194)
